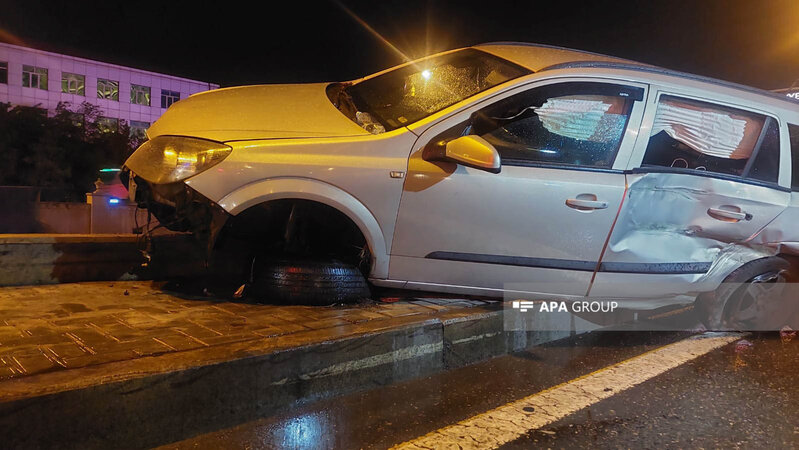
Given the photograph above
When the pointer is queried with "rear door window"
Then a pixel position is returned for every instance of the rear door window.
(793, 131)
(706, 138)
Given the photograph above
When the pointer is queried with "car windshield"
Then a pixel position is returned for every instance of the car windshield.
(409, 93)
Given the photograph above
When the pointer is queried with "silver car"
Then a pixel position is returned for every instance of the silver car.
(500, 169)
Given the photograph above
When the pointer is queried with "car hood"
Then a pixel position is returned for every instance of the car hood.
(256, 112)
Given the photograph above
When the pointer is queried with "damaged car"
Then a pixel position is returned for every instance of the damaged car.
(495, 170)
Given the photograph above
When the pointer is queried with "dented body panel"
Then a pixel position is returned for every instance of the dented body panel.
(664, 221)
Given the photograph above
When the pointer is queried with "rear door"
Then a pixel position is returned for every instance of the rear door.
(705, 176)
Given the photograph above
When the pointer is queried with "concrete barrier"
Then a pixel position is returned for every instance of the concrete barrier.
(122, 216)
(24, 211)
(31, 259)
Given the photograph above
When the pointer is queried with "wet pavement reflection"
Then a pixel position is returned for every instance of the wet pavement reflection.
(386, 416)
(739, 395)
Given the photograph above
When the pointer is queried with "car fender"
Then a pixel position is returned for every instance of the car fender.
(308, 189)
(729, 259)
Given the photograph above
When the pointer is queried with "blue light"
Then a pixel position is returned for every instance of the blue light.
(113, 200)
(110, 170)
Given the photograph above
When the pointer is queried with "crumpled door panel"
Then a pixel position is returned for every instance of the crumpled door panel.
(675, 222)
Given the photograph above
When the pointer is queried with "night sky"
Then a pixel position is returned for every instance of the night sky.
(754, 42)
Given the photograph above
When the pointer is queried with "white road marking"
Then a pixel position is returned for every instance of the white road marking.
(511, 421)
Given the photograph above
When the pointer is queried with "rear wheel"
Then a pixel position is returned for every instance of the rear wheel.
(753, 297)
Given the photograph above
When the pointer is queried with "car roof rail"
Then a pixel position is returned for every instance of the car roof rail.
(668, 72)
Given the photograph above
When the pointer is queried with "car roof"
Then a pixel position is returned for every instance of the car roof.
(538, 57)
(541, 57)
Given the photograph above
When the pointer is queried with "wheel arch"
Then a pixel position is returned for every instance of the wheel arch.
(263, 191)
(730, 258)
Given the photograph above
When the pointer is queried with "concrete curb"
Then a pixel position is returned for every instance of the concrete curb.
(32, 259)
(162, 399)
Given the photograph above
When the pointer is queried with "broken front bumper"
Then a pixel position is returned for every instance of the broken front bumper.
(176, 206)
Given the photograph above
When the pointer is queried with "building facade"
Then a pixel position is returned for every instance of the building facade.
(36, 78)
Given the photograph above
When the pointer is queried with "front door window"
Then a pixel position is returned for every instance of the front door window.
(572, 124)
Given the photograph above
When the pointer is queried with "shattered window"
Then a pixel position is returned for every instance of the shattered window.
(108, 89)
(793, 131)
(73, 83)
(409, 93)
(695, 135)
(766, 164)
(568, 123)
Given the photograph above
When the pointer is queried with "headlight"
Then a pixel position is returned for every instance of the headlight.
(167, 159)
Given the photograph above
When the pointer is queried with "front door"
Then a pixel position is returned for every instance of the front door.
(539, 225)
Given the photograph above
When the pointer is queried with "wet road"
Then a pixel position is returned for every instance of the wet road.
(727, 394)
(740, 396)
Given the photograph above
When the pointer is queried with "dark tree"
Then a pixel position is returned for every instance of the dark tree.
(65, 150)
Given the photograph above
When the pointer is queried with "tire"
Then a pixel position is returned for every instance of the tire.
(751, 298)
(298, 282)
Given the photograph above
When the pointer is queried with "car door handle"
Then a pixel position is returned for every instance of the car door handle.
(582, 204)
(728, 215)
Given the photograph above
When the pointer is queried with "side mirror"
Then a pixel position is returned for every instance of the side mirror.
(471, 151)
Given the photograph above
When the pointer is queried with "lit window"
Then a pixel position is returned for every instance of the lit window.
(138, 130)
(168, 98)
(3, 72)
(108, 89)
(108, 124)
(72, 83)
(34, 77)
(140, 95)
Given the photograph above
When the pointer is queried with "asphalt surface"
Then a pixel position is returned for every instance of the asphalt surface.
(738, 396)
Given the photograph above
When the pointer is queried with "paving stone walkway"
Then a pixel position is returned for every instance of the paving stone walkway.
(59, 327)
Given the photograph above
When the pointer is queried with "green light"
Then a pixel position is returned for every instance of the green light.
(110, 170)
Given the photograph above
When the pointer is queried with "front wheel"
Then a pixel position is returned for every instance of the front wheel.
(307, 282)
(754, 297)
